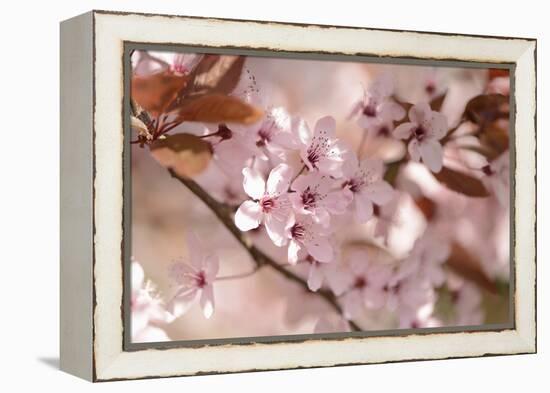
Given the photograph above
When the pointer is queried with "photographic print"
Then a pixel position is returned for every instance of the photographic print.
(283, 197)
(241, 195)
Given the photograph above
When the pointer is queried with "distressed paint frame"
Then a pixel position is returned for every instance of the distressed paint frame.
(109, 361)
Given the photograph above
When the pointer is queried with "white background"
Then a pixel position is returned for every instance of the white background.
(29, 195)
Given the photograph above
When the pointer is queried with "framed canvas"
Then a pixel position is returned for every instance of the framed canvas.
(246, 195)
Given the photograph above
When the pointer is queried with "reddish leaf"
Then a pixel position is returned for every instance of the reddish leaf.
(494, 139)
(461, 182)
(464, 264)
(218, 108)
(498, 72)
(426, 206)
(437, 102)
(206, 64)
(155, 92)
(487, 108)
(223, 77)
(479, 150)
(187, 154)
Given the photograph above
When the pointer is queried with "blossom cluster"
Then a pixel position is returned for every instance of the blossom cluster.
(301, 187)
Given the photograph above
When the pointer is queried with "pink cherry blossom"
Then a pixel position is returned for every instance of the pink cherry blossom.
(320, 150)
(386, 216)
(315, 195)
(427, 257)
(366, 280)
(232, 148)
(364, 185)
(184, 63)
(226, 189)
(148, 312)
(384, 129)
(433, 83)
(147, 64)
(377, 110)
(316, 273)
(412, 283)
(305, 235)
(425, 129)
(269, 205)
(466, 298)
(416, 318)
(497, 177)
(408, 292)
(272, 136)
(194, 277)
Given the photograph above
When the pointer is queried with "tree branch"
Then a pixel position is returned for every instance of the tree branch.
(224, 214)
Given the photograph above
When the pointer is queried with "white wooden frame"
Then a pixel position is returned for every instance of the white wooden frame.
(92, 195)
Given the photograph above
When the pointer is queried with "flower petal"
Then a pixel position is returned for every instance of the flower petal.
(403, 131)
(438, 125)
(321, 217)
(374, 298)
(363, 208)
(301, 183)
(382, 86)
(138, 276)
(275, 230)
(320, 249)
(207, 301)
(420, 113)
(253, 183)
(414, 150)
(331, 166)
(350, 164)
(375, 168)
(337, 201)
(355, 110)
(284, 139)
(352, 304)
(181, 302)
(248, 216)
(380, 192)
(315, 277)
(301, 130)
(432, 154)
(279, 179)
(394, 110)
(325, 126)
(367, 122)
(293, 250)
(148, 64)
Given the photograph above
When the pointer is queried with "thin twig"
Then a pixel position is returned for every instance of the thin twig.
(260, 259)
(238, 276)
